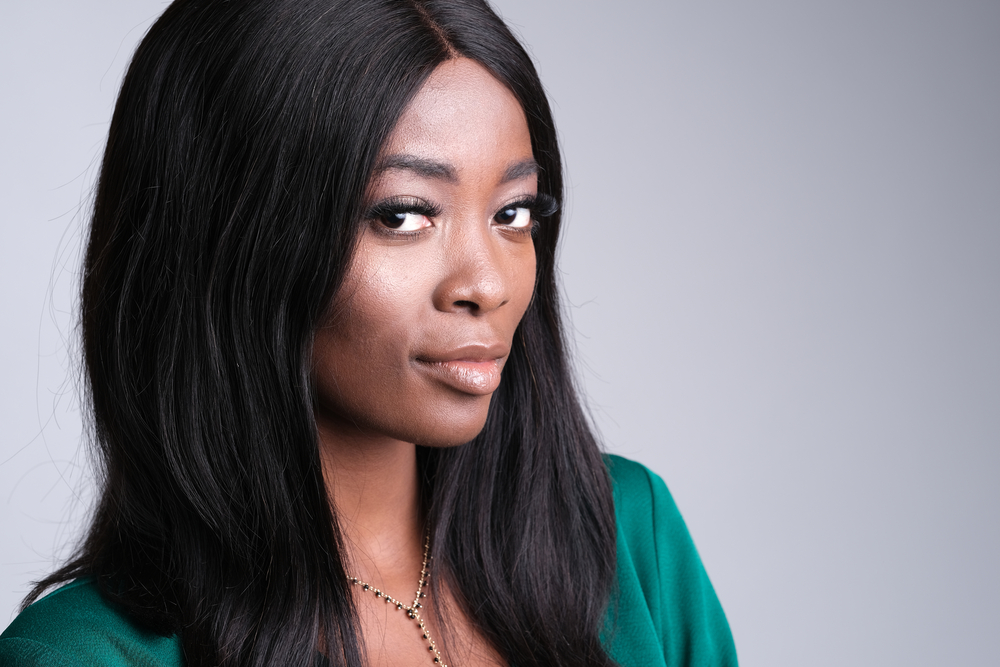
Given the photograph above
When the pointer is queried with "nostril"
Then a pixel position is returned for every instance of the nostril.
(471, 305)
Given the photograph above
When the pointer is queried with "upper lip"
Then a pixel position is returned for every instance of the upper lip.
(468, 352)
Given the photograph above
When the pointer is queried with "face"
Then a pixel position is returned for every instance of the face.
(419, 333)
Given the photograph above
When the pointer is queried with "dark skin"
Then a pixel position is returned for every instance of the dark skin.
(418, 336)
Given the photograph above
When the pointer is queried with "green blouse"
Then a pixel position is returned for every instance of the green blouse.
(664, 610)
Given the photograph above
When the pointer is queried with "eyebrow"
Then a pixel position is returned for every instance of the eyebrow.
(445, 172)
(521, 169)
(421, 166)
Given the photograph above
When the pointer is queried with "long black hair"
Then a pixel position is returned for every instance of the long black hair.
(229, 201)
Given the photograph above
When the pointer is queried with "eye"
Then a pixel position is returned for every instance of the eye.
(402, 214)
(524, 213)
(404, 221)
(517, 217)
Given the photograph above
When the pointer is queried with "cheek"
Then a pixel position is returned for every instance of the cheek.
(523, 281)
(362, 347)
(379, 304)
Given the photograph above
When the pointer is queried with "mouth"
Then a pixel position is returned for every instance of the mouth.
(473, 369)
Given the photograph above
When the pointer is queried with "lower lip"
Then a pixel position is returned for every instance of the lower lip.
(478, 378)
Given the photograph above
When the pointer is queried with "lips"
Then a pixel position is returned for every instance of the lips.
(470, 369)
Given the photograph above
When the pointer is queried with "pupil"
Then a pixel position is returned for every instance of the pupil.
(394, 220)
(509, 214)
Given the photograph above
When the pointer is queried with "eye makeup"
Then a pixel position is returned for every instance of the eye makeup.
(397, 216)
(537, 207)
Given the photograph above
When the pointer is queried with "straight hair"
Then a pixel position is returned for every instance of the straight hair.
(227, 210)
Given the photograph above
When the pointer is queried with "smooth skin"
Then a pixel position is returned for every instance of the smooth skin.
(417, 337)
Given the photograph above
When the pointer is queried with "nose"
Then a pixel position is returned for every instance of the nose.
(476, 276)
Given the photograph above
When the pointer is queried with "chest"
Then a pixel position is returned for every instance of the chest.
(393, 638)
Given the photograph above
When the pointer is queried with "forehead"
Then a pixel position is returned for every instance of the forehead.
(462, 115)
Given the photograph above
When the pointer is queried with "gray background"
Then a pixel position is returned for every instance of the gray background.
(783, 268)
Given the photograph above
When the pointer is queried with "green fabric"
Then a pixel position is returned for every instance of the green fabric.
(664, 611)
(75, 627)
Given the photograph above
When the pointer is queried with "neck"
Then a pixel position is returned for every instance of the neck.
(373, 483)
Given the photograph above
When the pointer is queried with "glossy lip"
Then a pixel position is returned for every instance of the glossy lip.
(471, 369)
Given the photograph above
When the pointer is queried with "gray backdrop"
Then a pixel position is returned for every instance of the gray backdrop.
(782, 265)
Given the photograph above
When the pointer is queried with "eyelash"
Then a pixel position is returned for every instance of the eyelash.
(540, 206)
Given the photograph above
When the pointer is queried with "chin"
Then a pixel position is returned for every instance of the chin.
(444, 443)
(452, 427)
(453, 438)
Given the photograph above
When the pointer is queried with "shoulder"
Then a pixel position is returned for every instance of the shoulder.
(76, 626)
(665, 610)
(636, 488)
(644, 509)
(652, 536)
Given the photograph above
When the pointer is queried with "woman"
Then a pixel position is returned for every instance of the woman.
(326, 367)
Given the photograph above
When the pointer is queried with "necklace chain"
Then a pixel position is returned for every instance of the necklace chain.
(412, 610)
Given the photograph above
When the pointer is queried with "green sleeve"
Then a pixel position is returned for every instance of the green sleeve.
(75, 627)
(664, 611)
(20, 652)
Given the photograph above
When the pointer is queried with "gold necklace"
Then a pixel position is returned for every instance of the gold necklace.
(411, 609)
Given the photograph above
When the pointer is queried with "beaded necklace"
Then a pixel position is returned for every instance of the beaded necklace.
(412, 610)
